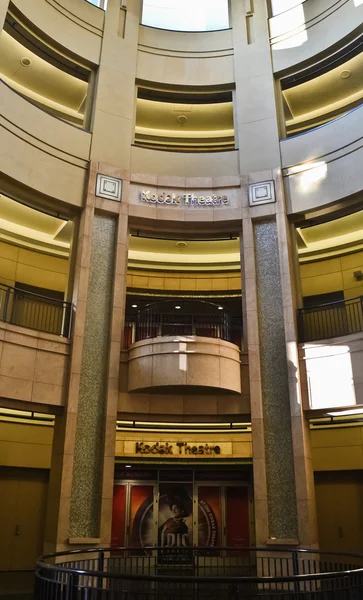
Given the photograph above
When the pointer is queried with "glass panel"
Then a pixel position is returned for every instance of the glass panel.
(175, 515)
(118, 516)
(237, 517)
(141, 516)
(209, 515)
(186, 15)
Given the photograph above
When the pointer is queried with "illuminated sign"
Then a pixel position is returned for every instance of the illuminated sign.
(177, 448)
(183, 199)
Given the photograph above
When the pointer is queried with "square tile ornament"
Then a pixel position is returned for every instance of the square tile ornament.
(108, 187)
(261, 193)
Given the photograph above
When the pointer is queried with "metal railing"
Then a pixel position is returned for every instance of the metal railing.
(198, 573)
(33, 311)
(193, 317)
(330, 320)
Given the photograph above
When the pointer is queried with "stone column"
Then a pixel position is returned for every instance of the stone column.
(81, 482)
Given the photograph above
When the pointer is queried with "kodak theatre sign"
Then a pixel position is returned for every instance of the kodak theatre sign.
(177, 448)
(184, 199)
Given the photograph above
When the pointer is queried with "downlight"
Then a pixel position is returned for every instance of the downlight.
(345, 74)
(25, 61)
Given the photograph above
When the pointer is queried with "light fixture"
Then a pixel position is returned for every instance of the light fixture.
(134, 305)
(177, 307)
(25, 61)
(220, 307)
(358, 275)
(345, 74)
(127, 466)
(182, 119)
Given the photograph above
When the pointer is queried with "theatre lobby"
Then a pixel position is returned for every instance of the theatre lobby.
(181, 299)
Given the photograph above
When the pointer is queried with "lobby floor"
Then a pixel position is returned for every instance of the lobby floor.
(16, 585)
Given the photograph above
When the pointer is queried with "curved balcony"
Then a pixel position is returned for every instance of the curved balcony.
(181, 344)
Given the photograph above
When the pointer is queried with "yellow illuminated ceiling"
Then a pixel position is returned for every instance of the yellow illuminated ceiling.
(184, 255)
(33, 229)
(330, 239)
(170, 123)
(40, 81)
(325, 97)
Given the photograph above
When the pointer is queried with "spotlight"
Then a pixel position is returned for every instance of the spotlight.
(134, 305)
(177, 307)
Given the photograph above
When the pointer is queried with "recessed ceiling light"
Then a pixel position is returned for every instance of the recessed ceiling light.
(182, 119)
(345, 74)
(134, 305)
(177, 307)
(220, 307)
(25, 61)
(181, 245)
(128, 466)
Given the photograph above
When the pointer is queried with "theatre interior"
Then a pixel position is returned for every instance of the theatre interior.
(181, 299)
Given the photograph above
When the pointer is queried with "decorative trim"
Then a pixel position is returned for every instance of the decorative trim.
(83, 540)
(108, 187)
(261, 193)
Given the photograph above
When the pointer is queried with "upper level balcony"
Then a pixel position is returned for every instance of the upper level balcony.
(181, 343)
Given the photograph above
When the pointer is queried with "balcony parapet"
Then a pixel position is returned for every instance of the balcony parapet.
(184, 361)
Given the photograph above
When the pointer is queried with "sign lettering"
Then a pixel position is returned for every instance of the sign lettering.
(184, 199)
(178, 448)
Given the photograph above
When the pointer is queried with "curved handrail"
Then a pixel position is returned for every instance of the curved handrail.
(193, 550)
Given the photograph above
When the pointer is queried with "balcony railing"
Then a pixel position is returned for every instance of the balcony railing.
(196, 573)
(183, 317)
(330, 320)
(33, 311)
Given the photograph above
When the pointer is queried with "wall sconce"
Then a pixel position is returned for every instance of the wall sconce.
(358, 275)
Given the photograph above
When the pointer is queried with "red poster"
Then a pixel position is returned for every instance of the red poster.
(209, 515)
(141, 515)
(175, 515)
(237, 516)
(118, 516)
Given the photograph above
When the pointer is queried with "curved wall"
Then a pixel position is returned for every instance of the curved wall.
(163, 57)
(327, 22)
(33, 365)
(41, 151)
(177, 361)
(74, 24)
(329, 159)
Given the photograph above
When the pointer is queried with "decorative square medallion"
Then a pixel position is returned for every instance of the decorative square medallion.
(261, 193)
(108, 187)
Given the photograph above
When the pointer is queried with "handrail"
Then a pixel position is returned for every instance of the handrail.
(331, 319)
(35, 311)
(193, 551)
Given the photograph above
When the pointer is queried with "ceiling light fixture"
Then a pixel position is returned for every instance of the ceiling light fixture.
(220, 307)
(345, 74)
(182, 119)
(25, 61)
(134, 305)
(177, 307)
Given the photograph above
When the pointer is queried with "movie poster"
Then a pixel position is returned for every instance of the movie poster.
(175, 524)
(141, 515)
(209, 515)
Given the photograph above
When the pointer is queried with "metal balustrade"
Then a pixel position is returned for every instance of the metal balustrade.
(198, 573)
(193, 317)
(33, 311)
(330, 320)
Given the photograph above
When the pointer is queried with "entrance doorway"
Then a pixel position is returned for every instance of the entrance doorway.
(177, 509)
(22, 517)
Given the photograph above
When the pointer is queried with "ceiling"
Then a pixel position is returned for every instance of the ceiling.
(326, 240)
(327, 96)
(41, 81)
(29, 228)
(170, 123)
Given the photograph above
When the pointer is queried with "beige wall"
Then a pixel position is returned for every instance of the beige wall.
(33, 365)
(32, 268)
(332, 275)
(24, 445)
(335, 151)
(337, 449)
(41, 151)
(174, 280)
(73, 24)
(328, 22)
(163, 57)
